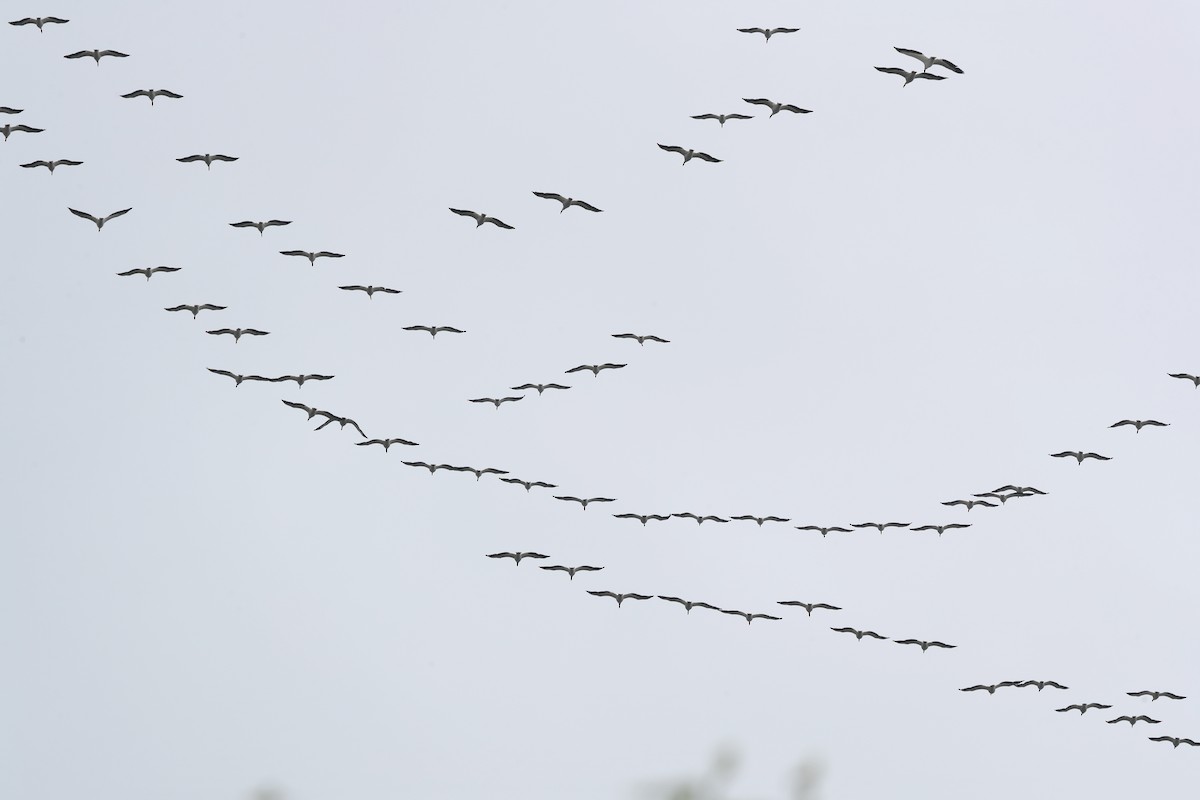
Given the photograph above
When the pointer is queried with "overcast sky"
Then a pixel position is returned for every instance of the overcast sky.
(908, 296)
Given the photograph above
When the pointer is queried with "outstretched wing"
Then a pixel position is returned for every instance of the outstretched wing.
(917, 54)
(903, 73)
(673, 149)
(551, 196)
(85, 215)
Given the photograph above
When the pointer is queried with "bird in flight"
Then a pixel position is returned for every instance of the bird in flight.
(7, 110)
(928, 61)
(643, 518)
(541, 387)
(688, 155)
(583, 501)
(496, 401)
(238, 333)
(148, 271)
(823, 531)
(859, 634)
(1042, 684)
(434, 330)
(1174, 740)
(910, 75)
(312, 412)
(768, 32)
(1003, 498)
(688, 605)
(640, 339)
(517, 556)
(39, 21)
(207, 158)
(620, 598)
(567, 202)
(530, 484)
(776, 107)
(699, 520)
(370, 290)
(153, 93)
(97, 54)
(990, 687)
(479, 473)
(1134, 720)
(1021, 489)
(237, 379)
(1155, 695)
(342, 423)
(1079, 457)
(925, 645)
(431, 467)
(759, 520)
(942, 528)
(879, 525)
(969, 503)
(1138, 424)
(386, 443)
(482, 218)
(196, 309)
(721, 118)
(50, 165)
(1195, 379)
(260, 226)
(595, 368)
(8, 130)
(571, 570)
(809, 607)
(1082, 708)
(300, 379)
(100, 220)
(747, 615)
(312, 257)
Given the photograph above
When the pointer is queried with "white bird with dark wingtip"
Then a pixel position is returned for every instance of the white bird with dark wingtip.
(1134, 720)
(747, 615)
(50, 165)
(823, 531)
(1138, 424)
(699, 519)
(1082, 708)
(759, 520)
(300, 379)
(721, 118)
(688, 605)
(641, 339)
(530, 484)
(969, 503)
(1174, 740)
(571, 570)
(943, 528)
(1155, 695)
(1195, 379)
(40, 21)
(910, 75)
(496, 401)
(434, 330)
(688, 155)
(386, 443)
(594, 368)
(880, 526)
(153, 93)
(990, 687)
(148, 271)
(260, 226)
(809, 607)
(517, 556)
(925, 645)
(583, 501)
(8, 130)
(928, 61)
(620, 598)
(776, 107)
(237, 379)
(768, 32)
(1042, 684)
(643, 518)
(1079, 456)
(97, 54)
(312, 257)
(567, 202)
(859, 634)
(482, 218)
(238, 333)
(370, 290)
(100, 220)
(207, 158)
(196, 308)
(541, 387)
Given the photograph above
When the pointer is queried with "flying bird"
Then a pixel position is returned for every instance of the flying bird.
(809, 607)
(370, 290)
(479, 473)
(1022, 489)
(688, 605)
(768, 32)
(496, 401)
(1082, 708)
(8, 130)
(260, 226)
(583, 501)
(928, 61)
(640, 339)
(1003, 498)
(595, 368)
(969, 503)
(879, 525)
(434, 330)
(1138, 424)
(482, 218)
(823, 531)
(342, 423)
(1079, 457)
(312, 257)
(153, 93)
(926, 645)
(567, 202)
(386, 443)
(50, 165)
(991, 687)
(431, 467)
(300, 379)
(1193, 378)
(237, 379)
(571, 570)
(148, 271)
(1155, 695)
(312, 412)
(760, 520)
(530, 484)
(1174, 740)
(97, 54)
(7, 110)
(721, 118)
(747, 615)
(620, 598)
(39, 21)
(859, 634)
(541, 387)
(100, 220)
(1134, 720)
(643, 518)
(688, 155)
(207, 158)
(942, 528)
(776, 107)
(196, 309)
(238, 333)
(910, 75)
(517, 556)
(699, 520)
(1041, 684)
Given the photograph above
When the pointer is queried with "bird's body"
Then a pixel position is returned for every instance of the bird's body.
(482, 218)
(434, 330)
(583, 501)
(1042, 684)
(1080, 456)
(943, 528)
(1082, 708)
(386, 443)
(809, 607)
(50, 165)
(238, 333)
(643, 518)
(1134, 720)
(688, 605)
(1138, 424)
(699, 519)
(196, 308)
(969, 503)
(1155, 695)
(747, 615)
(823, 531)
(153, 93)
(207, 158)
(342, 423)
(721, 118)
(928, 62)
(990, 687)
(594, 368)
(370, 290)
(910, 75)
(237, 379)
(768, 32)
(517, 556)
(479, 473)
(1174, 740)
(496, 401)
(300, 379)
(759, 520)
(148, 271)
(880, 526)
(859, 634)
(260, 226)
(541, 387)
(641, 339)
(530, 484)
(567, 202)
(571, 570)
(431, 467)
(311, 256)
(100, 220)
(39, 21)
(97, 54)
(776, 107)
(8, 130)
(621, 598)
(925, 645)
(688, 155)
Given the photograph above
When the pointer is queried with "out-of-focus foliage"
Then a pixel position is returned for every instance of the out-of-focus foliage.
(717, 782)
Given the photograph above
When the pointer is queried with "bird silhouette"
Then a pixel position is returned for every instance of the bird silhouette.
(100, 220)
(7, 110)
(238, 333)
(8, 130)
(643, 518)
(97, 54)
(1079, 457)
(1042, 684)
(969, 503)
(879, 525)
(809, 607)
(431, 467)
(434, 330)
(1195, 379)
(759, 520)
(39, 21)
(620, 598)
(688, 155)
(583, 501)
(990, 687)
(571, 570)
(517, 556)
(768, 32)
(342, 423)
(237, 379)
(370, 290)
(482, 218)
(1174, 740)
(50, 165)
(496, 401)
(928, 61)
(541, 387)
(699, 519)
(479, 473)
(260, 226)
(942, 528)
(148, 271)
(1155, 695)
(926, 645)
(776, 107)
(747, 615)
(300, 379)
(688, 605)
(1082, 708)
(1022, 489)
(721, 118)
(153, 93)
(530, 484)
(859, 634)
(1003, 498)
(207, 158)
(1134, 720)
(594, 368)
(567, 202)
(312, 257)
(640, 339)
(823, 531)
(386, 443)
(312, 412)
(910, 75)
(1138, 424)
(196, 309)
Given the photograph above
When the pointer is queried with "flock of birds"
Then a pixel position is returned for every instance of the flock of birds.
(984, 499)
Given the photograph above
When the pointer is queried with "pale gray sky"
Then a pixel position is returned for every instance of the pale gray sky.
(910, 295)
